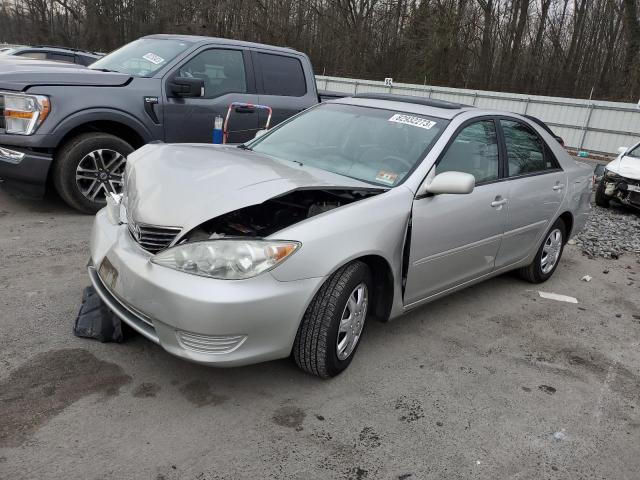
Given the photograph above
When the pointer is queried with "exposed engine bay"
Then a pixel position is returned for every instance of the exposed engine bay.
(277, 213)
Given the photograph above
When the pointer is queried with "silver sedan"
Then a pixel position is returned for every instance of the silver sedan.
(357, 209)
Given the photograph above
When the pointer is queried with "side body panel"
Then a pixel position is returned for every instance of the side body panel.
(454, 238)
(532, 204)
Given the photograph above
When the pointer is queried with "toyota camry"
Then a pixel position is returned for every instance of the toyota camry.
(357, 209)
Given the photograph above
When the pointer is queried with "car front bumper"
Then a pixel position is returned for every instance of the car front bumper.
(204, 320)
(24, 169)
(625, 190)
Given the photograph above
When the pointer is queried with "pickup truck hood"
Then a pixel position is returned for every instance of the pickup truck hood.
(19, 75)
(625, 166)
(184, 185)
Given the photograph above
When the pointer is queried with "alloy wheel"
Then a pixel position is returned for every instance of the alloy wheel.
(352, 321)
(100, 172)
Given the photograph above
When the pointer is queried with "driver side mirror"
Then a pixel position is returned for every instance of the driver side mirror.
(448, 182)
(185, 87)
(622, 150)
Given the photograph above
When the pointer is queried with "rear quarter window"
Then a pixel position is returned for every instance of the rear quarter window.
(281, 75)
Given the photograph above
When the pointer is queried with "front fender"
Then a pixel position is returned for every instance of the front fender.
(374, 226)
(83, 117)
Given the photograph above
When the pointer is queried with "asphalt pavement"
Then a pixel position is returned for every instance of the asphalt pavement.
(492, 382)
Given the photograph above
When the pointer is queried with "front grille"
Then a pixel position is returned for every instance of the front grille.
(151, 237)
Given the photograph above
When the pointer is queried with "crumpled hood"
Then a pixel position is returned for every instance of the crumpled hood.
(625, 166)
(21, 74)
(184, 185)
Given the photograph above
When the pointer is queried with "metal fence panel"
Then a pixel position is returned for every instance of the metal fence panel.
(596, 126)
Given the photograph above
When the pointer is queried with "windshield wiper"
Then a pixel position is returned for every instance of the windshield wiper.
(104, 70)
(244, 147)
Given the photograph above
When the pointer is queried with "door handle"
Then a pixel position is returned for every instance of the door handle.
(498, 202)
(558, 187)
(245, 110)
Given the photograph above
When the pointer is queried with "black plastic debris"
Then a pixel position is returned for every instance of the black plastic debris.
(95, 320)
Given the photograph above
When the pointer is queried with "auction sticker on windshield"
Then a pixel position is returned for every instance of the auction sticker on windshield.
(153, 58)
(413, 121)
(386, 177)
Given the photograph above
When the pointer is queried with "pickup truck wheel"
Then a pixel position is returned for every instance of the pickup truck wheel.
(331, 328)
(548, 256)
(601, 199)
(88, 167)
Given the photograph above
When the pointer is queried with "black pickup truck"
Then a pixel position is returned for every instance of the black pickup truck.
(73, 127)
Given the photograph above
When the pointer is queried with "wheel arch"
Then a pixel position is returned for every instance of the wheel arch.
(383, 283)
(567, 218)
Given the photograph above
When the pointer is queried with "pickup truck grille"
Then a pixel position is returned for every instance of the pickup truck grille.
(151, 237)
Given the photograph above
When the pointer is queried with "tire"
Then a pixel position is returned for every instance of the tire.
(536, 272)
(102, 156)
(601, 199)
(317, 345)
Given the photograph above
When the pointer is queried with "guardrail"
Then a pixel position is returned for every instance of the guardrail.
(591, 125)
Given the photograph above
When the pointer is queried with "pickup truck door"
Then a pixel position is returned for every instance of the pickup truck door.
(228, 77)
(282, 85)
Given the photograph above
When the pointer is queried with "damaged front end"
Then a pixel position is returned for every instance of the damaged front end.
(275, 214)
(625, 190)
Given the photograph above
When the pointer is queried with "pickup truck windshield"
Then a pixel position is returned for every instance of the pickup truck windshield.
(369, 144)
(143, 57)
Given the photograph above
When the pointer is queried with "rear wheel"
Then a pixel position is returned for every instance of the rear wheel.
(331, 328)
(601, 199)
(89, 167)
(548, 256)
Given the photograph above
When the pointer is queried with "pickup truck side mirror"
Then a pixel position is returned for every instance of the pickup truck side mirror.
(186, 87)
(448, 182)
(622, 150)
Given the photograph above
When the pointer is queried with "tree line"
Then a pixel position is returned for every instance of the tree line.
(573, 48)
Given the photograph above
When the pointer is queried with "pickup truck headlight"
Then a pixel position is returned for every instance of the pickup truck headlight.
(228, 259)
(24, 113)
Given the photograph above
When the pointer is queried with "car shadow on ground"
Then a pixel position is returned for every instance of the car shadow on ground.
(12, 202)
(282, 372)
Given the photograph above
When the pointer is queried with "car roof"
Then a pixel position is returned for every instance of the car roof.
(197, 39)
(402, 103)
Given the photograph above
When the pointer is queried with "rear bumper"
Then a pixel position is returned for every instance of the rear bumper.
(24, 169)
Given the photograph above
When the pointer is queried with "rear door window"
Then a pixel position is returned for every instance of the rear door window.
(526, 151)
(281, 75)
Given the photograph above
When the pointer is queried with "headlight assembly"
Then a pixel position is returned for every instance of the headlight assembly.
(227, 259)
(24, 113)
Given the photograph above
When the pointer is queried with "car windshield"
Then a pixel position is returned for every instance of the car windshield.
(635, 152)
(143, 57)
(369, 144)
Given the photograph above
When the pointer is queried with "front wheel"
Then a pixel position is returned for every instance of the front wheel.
(89, 167)
(548, 256)
(331, 328)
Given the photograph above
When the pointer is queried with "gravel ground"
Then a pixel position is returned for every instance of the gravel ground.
(610, 232)
(492, 382)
